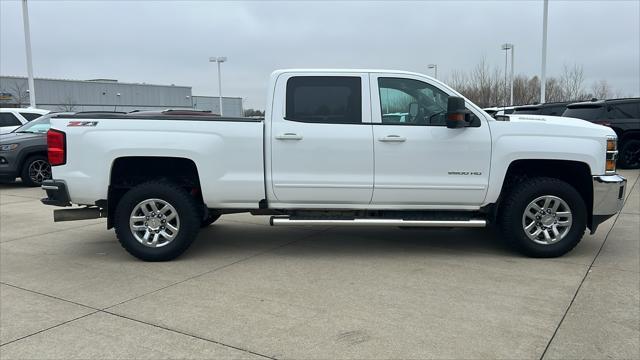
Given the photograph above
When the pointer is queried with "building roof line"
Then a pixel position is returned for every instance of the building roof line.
(93, 81)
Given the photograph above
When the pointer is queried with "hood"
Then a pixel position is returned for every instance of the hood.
(17, 137)
(562, 125)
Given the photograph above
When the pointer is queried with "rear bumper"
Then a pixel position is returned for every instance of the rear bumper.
(57, 194)
(608, 197)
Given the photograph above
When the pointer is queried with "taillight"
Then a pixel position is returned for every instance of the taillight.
(56, 147)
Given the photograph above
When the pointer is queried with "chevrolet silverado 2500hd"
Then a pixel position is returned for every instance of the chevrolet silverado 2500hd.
(332, 150)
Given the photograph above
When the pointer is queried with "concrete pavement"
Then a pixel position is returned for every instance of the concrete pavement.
(246, 290)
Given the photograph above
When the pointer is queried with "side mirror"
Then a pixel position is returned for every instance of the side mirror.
(457, 114)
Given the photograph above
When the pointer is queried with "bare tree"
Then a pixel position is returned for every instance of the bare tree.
(486, 87)
(571, 82)
(601, 89)
(18, 92)
(458, 80)
(68, 104)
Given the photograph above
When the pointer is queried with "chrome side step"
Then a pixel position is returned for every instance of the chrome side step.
(286, 221)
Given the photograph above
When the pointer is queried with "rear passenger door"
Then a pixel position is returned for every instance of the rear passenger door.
(321, 139)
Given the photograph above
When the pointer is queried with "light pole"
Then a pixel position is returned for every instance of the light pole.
(219, 60)
(543, 73)
(27, 44)
(433, 66)
(506, 47)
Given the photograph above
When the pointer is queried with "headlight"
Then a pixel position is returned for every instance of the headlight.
(612, 155)
(8, 147)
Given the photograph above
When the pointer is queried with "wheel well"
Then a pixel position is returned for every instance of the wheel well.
(629, 135)
(127, 172)
(575, 173)
(24, 157)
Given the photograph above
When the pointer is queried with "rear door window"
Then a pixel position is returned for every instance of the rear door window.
(553, 110)
(527, 111)
(589, 113)
(624, 111)
(8, 119)
(30, 116)
(324, 99)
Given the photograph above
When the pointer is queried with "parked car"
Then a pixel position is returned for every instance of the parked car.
(621, 115)
(550, 108)
(12, 118)
(23, 152)
(326, 155)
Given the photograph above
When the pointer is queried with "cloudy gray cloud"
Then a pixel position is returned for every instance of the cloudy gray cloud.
(170, 41)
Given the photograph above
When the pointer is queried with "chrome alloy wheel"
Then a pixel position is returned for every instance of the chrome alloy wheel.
(154, 223)
(39, 171)
(547, 219)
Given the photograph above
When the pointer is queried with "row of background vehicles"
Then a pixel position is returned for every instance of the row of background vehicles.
(23, 141)
(621, 115)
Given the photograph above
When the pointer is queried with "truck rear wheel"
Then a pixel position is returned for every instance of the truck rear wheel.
(157, 221)
(543, 217)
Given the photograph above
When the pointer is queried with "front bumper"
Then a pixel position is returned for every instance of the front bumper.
(608, 197)
(57, 194)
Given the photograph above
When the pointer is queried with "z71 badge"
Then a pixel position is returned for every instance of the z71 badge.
(82, 123)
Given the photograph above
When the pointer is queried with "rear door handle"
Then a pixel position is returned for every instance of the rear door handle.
(393, 138)
(289, 136)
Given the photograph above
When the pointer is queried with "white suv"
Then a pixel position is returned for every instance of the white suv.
(12, 118)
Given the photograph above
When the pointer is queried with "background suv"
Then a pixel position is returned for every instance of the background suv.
(552, 109)
(623, 116)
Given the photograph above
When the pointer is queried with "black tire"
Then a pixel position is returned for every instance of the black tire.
(35, 170)
(211, 217)
(511, 212)
(629, 157)
(186, 207)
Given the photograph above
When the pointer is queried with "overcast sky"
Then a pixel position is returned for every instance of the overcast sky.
(169, 42)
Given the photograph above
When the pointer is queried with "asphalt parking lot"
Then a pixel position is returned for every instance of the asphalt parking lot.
(246, 290)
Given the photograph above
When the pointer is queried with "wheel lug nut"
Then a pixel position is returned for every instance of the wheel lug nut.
(146, 217)
(163, 221)
(146, 224)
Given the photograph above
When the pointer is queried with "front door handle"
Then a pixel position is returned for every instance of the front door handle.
(393, 138)
(289, 136)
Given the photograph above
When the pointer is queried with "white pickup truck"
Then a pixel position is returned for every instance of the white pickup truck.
(332, 151)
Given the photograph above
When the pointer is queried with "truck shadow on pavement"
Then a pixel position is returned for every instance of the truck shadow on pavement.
(349, 241)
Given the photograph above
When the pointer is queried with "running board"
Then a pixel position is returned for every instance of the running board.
(84, 213)
(285, 221)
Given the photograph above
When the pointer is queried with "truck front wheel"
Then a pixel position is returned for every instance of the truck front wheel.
(543, 217)
(157, 221)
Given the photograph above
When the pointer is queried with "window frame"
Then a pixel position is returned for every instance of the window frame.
(377, 112)
(289, 97)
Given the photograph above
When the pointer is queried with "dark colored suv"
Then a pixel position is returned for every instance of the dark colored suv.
(552, 109)
(623, 116)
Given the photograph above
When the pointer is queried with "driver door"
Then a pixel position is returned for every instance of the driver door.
(418, 160)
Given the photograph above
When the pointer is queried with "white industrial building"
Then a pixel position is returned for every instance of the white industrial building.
(109, 95)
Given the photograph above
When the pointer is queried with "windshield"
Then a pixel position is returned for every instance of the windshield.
(585, 113)
(39, 125)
